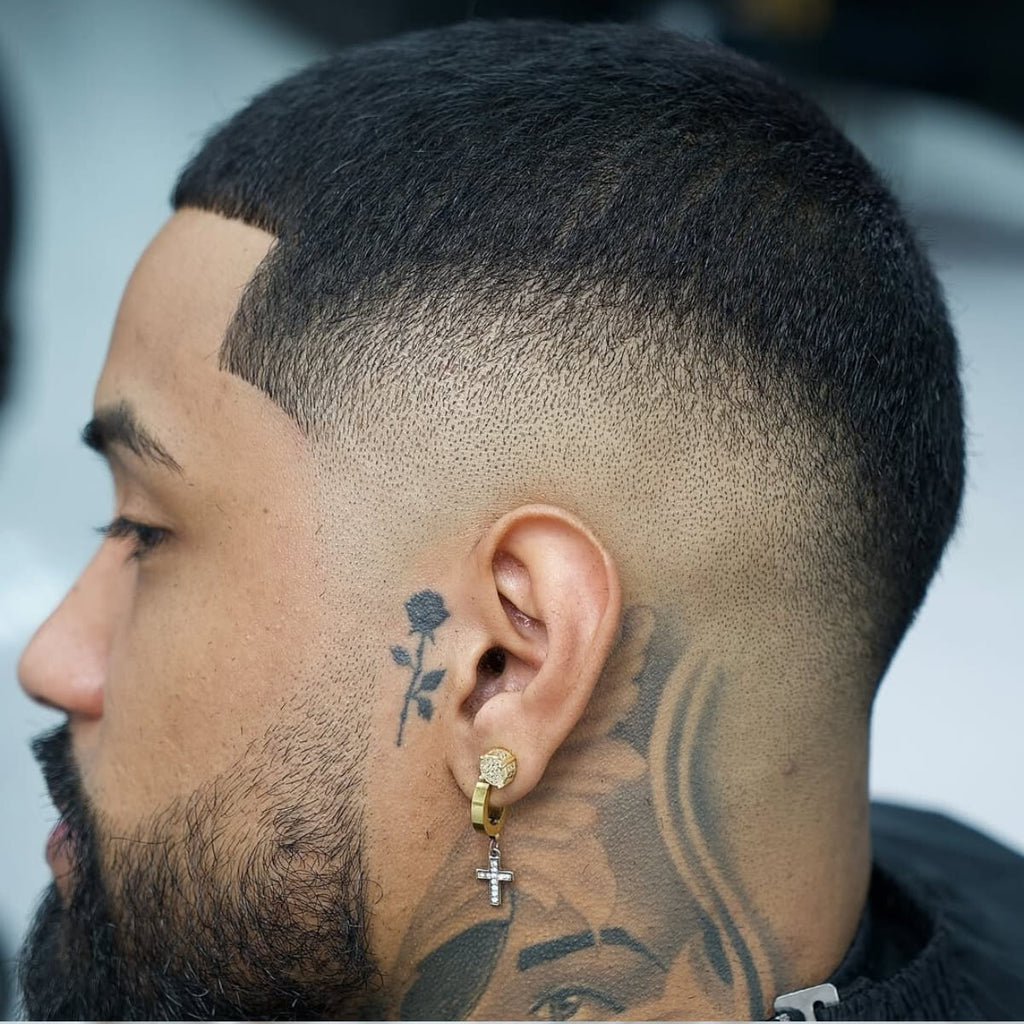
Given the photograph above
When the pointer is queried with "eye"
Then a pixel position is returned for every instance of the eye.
(145, 537)
(564, 1003)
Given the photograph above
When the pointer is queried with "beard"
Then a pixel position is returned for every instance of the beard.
(178, 921)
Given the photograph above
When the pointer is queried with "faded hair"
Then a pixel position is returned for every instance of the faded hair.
(624, 213)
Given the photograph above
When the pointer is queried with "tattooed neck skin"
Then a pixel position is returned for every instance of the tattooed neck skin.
(658, 873)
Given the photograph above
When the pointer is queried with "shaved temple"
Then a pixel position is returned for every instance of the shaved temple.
(631, 271)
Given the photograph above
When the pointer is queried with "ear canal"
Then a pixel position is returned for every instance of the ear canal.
(493, 661)
(497, 672)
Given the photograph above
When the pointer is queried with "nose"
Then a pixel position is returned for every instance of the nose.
(65, 663)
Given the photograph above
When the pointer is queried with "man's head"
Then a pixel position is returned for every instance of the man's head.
(580, 391)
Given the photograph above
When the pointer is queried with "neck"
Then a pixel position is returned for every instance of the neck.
(682, 859)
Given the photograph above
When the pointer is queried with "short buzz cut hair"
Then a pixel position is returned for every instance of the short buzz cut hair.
(697, 196)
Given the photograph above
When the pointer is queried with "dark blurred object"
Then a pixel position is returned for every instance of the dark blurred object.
(6, 245)
(968, 51)
(362, 20)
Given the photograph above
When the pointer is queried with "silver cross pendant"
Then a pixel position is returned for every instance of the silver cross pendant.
(493, 873)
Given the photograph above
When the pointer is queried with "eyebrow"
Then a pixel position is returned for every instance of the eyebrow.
(119, 425)
(555, 949)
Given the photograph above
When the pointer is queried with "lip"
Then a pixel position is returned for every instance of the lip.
(57, 849)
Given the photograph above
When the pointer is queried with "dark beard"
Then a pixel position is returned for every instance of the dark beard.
(179, 924)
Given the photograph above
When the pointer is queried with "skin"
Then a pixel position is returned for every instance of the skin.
(681, 848)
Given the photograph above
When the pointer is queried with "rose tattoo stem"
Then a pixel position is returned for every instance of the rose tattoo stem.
(411, 691)
(426, 613)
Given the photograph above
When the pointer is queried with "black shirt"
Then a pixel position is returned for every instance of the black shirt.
(942, 936)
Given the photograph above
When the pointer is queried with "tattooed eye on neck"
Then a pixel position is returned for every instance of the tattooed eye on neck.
(426, 613)
(566, 1002)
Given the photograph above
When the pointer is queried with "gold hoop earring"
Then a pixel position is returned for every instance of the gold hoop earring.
(484, 819)
(497, 770)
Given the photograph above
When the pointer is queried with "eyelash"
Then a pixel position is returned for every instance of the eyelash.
(146, 537)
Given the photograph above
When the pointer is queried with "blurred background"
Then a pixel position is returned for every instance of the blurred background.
(103, 100)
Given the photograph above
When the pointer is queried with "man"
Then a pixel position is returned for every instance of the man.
(542, 429)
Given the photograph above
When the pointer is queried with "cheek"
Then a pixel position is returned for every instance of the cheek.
(210, 655)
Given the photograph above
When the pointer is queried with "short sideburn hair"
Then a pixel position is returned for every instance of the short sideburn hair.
(689, 183)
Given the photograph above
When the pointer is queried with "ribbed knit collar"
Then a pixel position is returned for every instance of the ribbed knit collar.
(902, 963)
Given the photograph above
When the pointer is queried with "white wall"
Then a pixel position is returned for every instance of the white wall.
(110, 96)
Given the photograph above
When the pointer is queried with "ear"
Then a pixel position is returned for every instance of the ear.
(546, 603)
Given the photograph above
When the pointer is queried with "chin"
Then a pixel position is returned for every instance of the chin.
(55, 965)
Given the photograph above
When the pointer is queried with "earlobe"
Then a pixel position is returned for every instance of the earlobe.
(548, 603)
